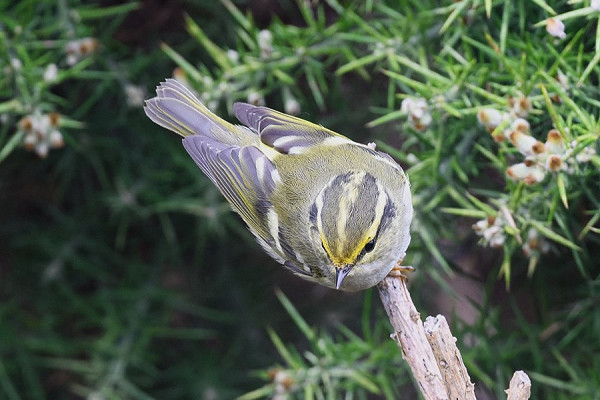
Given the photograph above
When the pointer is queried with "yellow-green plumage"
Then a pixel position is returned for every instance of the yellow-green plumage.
(329, 209)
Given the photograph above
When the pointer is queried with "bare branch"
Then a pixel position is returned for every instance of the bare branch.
(410, 336)
(456, 378)
(430, 350)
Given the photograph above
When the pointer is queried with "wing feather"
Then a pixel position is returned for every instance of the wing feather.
(243, 174)
(284, 133)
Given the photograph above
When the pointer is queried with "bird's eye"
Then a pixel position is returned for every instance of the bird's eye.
(369, 246)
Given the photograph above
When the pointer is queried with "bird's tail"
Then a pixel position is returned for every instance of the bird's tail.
(176, 108)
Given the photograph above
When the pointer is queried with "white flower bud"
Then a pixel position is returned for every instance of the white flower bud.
(535, 243)
(135, 95)
(526, 144)
(585, 155)
(292, 106)
(256, 99)
(233, 55)
(179, 75)
(51, 73)
(212, 105)
(265, 39)
(95, 396)
(29, 141)
(517, 172)
(521, 125)
(41, 148)
(521, 106)
(595, 5)
(418, 112)
(490, 117)
(556, 28)
(42, 124)
(498, 238)
(72, 47)
(88, 45)
(420, 103)
(412, 159)
(16, 64)
(207, 81)
(72, 59)
(480, 226)
(530, 174)
(55, 139)
(562, 79)
(407, 105)
(492, 230)
(554, 142)
(422, 122)
(554, 163)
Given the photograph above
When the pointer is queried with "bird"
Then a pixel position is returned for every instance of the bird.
(330, 210)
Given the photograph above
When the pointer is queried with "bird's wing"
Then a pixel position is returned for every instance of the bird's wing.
(244, 175)
(284, 133)
(228, 154)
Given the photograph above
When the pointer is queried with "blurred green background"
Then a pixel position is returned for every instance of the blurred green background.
(123, 274)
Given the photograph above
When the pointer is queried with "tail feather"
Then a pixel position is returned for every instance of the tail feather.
(173, 89)
(178, 116)
(176, 108)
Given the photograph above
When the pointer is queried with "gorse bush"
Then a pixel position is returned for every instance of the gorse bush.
(44, 46)
(118, 272)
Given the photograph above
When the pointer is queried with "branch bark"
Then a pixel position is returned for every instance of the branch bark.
(456, 378)
(430, 350)
(410, 336)
(520, 387)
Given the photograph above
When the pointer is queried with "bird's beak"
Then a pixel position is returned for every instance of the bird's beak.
(341, 274)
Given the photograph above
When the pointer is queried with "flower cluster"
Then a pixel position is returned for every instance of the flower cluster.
(535, 244)
(514, 119)
(553, 155)
(493, 234)
(78, 49)
(41, 133)
(283, 383)
(491, 229)
(417, 111)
